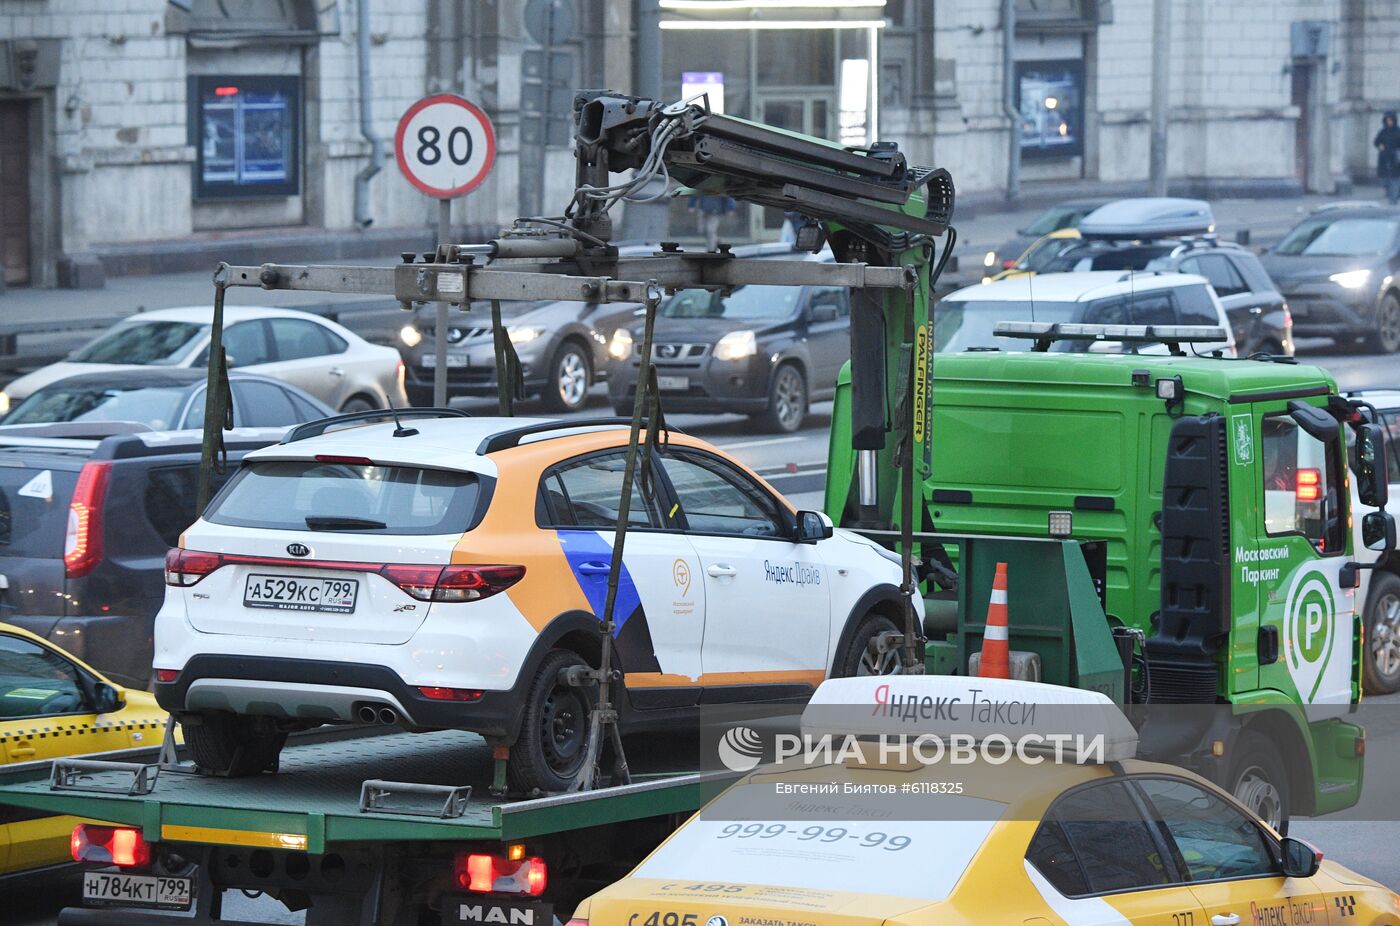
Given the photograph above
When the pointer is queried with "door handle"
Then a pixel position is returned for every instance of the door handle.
(722, 571)
(336, 371)
(22, 752)
(1225, 919)
(594, 569)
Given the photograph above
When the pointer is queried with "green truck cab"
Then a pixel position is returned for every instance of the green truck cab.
(1210, 499)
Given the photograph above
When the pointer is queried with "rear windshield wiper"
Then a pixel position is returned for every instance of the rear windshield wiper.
(331, 522)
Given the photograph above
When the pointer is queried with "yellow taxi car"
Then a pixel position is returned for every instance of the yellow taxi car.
(1041, 251)
(54, 705)
(1090, 839)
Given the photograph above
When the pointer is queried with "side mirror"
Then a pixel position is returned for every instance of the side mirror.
(1371, 463)
(1300, 859)
(824, 312)
(107, 698)
(813, 526)
(1378, 531)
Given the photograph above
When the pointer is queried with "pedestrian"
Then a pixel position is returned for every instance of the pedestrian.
(1388, 157)
(711, 211)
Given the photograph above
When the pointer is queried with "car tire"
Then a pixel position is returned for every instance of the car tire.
(787, 401)
(231, 745)
(1258, 779)
(1386, 337)
(570, 376)
(622, 409)
(553, 741)
(856, 659)
(1381, 663)
(357, 403)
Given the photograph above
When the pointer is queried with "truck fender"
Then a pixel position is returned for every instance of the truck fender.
(884, 593)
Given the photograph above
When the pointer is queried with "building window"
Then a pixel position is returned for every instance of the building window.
(1050, 99)
(247, 134)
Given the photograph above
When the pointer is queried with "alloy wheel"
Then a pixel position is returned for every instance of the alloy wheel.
(788, 397)
(572, 379)
(1388, 323)
(1385, 637)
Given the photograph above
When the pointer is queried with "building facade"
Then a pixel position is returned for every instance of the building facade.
(141, 135)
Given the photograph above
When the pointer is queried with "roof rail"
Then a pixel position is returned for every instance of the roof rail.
(504, 440)
(317, 428)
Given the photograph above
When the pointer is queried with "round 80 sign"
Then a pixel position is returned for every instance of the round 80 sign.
(445, 145)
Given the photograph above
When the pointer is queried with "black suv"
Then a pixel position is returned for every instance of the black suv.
(1258, 313)
(84, 527)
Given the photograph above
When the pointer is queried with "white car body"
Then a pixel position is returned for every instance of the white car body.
(1053, 292)
(1387, 404)
(734, 613)
(361, 373)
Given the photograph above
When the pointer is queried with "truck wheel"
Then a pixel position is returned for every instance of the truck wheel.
(787, 401)
(858, 660)
(232, 745)
(1381, 667)
(1259, 779)
(570, 375)
(553, 729)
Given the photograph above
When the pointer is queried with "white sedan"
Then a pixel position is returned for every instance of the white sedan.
(332, 363)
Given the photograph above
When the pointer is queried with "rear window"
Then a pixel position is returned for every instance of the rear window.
(348, 498)
(156, 406)
(34, 511)
(143, 343)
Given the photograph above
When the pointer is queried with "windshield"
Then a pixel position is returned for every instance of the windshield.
(1054, 219)
(300, 495)
(959, 326)
(1090, 258)
(156, 406)
(746, 302)
(843, 843)
(141, 343)
(1324, 237)
(1044, 252)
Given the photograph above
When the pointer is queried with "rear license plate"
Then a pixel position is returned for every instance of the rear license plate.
(473, 911)
(110, 889)
(454, 361)
(290, 593)
(674, 383)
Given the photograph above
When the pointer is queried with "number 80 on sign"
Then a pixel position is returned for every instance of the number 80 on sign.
(445, 145)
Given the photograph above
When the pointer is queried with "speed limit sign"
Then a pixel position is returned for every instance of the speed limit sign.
(445, 145)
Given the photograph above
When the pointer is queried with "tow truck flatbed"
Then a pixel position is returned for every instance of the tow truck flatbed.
(314, 799)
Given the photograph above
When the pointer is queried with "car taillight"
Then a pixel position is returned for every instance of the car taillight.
(496, 874)
(82, 547)
(452, 583)
(186, 567)
(166, 676)
(1309, 485)
(438, 693)
(110, 845)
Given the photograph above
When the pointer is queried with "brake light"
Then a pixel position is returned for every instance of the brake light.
(1008, 263)
(452, 583)
(495, 874)
(1309, 485)
(82, 547)
(437, 693)
(184, 568)
(110, 845)
(352, 461)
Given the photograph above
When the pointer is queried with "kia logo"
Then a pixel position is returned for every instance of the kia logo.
(298, 549)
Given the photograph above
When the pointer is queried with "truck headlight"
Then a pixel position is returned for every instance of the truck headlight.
(736, 345)
(524, 334)
(410, 335)
(1351, 279)
(620, 348)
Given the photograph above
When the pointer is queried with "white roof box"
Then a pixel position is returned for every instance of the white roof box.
(1083, 726)
(1149, 217)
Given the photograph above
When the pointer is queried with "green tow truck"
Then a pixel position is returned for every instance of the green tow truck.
(1210, 499)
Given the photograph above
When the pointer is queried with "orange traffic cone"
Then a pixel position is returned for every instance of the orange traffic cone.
(996, 646)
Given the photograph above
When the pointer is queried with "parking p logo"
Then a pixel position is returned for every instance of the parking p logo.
(1310, 619)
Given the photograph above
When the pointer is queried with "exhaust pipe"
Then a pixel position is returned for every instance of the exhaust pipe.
(388, 715)
(367, 714)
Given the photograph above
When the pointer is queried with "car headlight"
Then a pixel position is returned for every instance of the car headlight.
(990, 260)
(1351, 279)
(524, 334)
(4, 403)
(736, 345)
(410, 335)
(620, 348)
